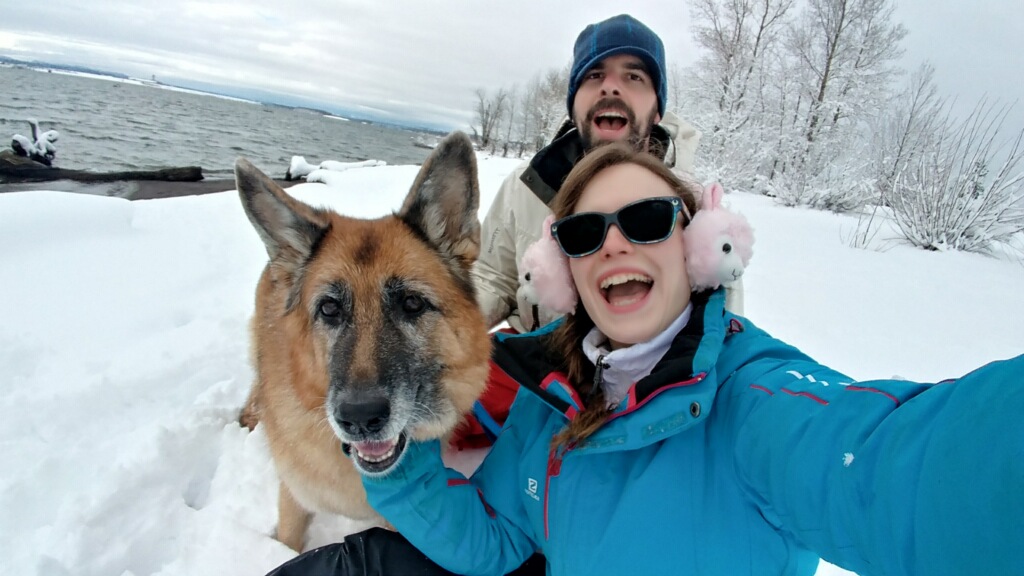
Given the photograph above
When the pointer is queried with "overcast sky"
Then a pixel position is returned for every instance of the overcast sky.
(421, 60)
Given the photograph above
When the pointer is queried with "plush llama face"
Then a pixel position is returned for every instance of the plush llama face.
(544, 277)
(527, 292)
(719, 243)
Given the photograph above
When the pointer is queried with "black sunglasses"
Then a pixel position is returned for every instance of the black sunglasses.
(646, 221)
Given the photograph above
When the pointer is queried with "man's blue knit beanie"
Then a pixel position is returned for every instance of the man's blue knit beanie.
(620, 34)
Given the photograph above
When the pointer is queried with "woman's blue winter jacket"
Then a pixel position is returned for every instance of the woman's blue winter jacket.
(737, 455)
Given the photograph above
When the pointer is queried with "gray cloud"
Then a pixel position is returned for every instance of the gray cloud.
(977, 49)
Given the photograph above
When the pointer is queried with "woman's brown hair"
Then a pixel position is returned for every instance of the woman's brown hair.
(567, 340)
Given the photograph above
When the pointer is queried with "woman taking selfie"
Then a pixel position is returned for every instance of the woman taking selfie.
(656, 433)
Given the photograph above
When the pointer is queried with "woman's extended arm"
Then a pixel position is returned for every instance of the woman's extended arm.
(884, 477)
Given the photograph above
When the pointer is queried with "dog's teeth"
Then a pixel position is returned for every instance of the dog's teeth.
(375, 459)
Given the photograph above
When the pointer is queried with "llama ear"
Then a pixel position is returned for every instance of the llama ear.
(546, 227)
(712, 197)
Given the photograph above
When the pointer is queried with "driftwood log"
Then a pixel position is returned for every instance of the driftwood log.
(15, 169)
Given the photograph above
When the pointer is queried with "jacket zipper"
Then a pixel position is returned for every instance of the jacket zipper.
(555, 458)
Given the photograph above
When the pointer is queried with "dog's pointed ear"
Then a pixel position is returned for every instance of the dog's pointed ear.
(443, 202)
(289, 229)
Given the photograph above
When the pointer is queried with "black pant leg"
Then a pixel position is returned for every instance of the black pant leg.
(378, 552)
(375, 552)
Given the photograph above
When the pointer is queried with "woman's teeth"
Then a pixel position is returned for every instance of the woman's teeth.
(623, 278)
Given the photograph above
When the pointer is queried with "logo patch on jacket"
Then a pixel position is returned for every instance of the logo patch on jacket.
(531, 489)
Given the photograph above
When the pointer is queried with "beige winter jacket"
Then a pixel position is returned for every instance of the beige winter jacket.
(514, 220)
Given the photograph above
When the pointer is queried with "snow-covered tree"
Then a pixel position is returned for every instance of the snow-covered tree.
(965, 190)
(489, 110)
(844, 55)
(911, 125)
(850, 48)
(796, 100)
(726, 94)
(517, 119)
(508, 119)
(548, 106)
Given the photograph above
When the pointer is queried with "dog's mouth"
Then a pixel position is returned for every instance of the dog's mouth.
(377, 457)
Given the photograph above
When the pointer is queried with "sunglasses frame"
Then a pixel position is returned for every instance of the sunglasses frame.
(613, 218)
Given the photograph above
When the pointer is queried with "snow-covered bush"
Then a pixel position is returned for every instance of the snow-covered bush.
(967, 191)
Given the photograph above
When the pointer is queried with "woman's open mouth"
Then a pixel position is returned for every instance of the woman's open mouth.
(624, 290)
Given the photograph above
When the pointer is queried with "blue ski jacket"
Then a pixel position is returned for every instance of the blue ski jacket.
(737, 455)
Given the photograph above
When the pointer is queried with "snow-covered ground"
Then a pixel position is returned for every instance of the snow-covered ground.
(124, 355)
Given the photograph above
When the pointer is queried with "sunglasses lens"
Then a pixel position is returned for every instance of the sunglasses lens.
(648, 221)
(581, 234)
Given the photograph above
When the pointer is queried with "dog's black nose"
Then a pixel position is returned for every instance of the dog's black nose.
(366, 417)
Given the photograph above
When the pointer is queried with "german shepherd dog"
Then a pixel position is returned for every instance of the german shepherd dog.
(366, 333)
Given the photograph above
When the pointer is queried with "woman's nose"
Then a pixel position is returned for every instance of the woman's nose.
(615, 242)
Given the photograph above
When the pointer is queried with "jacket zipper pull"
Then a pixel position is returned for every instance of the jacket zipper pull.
(599, 366)
(555, 462)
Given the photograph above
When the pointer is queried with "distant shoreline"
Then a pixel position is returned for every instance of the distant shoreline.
(318, 108)
(109, 126)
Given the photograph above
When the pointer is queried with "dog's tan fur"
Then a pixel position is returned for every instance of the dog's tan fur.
(293, 353)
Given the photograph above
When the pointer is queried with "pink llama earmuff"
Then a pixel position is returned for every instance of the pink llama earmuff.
(719, 243)
(544, 277)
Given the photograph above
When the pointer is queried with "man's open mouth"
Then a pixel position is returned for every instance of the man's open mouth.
(376, 457)
(611, 120)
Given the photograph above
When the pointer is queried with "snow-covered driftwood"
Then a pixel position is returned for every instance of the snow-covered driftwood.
(300, 168)
(40, 147)
(18, 169)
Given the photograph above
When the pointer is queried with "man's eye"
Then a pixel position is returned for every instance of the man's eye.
(636, 78)
(593, 76)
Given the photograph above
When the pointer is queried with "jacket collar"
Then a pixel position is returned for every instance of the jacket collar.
(690, 358)
(621, 368)
(549, 167)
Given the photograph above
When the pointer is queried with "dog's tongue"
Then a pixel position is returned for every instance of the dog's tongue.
(628, 292)
(374, 449)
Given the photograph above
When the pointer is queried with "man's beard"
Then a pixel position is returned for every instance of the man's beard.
(638, 131)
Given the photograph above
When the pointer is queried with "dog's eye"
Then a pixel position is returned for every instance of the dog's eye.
(527, 277)
(413, 304)
(330, 309)
(726, 247)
